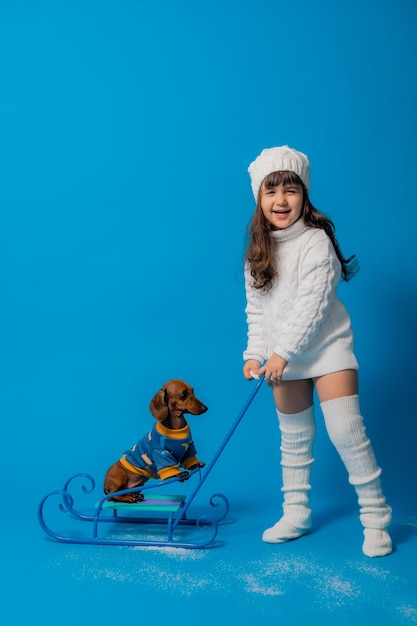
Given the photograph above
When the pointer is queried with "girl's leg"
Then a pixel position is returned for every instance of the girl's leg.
(338, 394)
(293, 400)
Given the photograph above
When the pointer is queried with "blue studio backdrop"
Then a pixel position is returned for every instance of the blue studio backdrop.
(126, 132)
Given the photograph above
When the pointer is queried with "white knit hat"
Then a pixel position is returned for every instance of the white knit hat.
(281, 159)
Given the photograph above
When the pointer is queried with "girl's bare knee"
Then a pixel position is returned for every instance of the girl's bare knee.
(293, 396)
(337, 385)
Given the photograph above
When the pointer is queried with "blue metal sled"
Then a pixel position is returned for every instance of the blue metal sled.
(157, 509)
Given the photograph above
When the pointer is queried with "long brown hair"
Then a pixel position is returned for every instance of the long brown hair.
(260, 254)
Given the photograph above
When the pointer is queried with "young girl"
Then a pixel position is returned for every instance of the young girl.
(300, 337)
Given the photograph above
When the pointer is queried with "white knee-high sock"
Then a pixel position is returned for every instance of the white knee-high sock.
(347, 432)
(297, 438)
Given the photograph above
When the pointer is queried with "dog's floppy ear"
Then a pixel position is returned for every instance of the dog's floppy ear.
(158, 406)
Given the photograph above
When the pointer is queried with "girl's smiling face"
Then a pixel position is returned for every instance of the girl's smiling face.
(282, 204)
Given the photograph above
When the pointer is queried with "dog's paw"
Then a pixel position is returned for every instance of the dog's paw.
(133, 497)
(196, 465)
(130, 498)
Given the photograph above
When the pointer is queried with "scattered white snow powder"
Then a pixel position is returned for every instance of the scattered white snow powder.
(329, 585)
(409, 612)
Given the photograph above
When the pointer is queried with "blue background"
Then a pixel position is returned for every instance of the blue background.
(126, 130)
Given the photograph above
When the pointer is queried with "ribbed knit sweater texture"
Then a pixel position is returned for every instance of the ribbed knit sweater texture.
(301, 318)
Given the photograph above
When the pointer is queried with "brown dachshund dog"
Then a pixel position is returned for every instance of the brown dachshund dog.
(166, 447)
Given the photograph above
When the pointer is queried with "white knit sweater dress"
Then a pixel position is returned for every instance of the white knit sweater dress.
(301, 318)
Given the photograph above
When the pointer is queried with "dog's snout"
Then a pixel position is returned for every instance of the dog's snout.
(197, 407)
(203, 408)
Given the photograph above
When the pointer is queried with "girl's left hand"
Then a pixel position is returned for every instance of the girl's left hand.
(273, 369)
